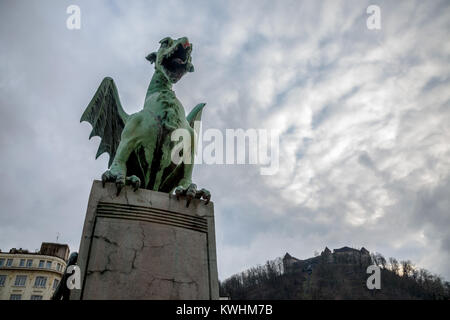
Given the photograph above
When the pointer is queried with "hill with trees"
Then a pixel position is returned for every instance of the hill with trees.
(338, 275)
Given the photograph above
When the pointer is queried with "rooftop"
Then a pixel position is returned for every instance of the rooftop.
(47, 249)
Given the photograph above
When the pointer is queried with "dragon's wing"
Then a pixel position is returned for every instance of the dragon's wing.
(196, 116)
(107, 118)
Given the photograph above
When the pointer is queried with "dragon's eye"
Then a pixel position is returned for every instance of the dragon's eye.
(166, 42)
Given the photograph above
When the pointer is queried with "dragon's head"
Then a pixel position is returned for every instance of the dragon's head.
(173, 58)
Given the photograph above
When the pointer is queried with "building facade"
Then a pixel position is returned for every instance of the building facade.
(32, 276)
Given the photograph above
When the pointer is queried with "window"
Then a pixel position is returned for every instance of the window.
(49, 264)
(40, 282)
(36, 297)
(2, 262)
(20, 281)
(22, 263)
(15, 297)
(29, 263)
(55, 284)
(2, 280)
(58, 267)
(9, 262)
(41, 263)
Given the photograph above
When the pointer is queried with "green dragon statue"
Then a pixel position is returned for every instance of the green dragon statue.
(140, 145)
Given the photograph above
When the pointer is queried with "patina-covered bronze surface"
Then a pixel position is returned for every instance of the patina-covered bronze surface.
(140, 145)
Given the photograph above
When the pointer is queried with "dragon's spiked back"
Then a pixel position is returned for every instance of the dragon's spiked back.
(106, 115)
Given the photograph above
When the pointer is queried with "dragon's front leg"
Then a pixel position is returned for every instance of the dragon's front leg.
(187, 188)
(118, 171)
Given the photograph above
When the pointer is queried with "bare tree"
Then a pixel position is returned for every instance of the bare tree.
(379, 260)
(382, 260)
(407, 268)
(394, 265)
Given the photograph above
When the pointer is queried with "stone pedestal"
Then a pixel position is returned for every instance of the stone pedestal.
(146, 245)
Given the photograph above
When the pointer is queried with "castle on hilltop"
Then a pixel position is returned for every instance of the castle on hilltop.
(344, 255)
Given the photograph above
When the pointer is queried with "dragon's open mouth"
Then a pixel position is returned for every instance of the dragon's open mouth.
(175, 62)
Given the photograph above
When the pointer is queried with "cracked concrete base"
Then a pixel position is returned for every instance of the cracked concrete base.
(146, 245)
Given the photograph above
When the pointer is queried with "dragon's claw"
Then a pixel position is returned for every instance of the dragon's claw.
(206, 196)
(179, 192)
(191, 192)
(106, 177)
(120, 181)
(133, 181)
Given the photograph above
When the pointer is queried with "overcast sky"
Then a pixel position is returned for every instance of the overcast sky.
(364, 117)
